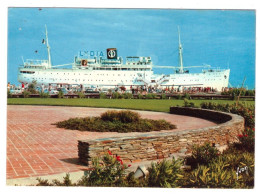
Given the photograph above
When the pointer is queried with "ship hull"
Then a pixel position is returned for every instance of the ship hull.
(99, 78)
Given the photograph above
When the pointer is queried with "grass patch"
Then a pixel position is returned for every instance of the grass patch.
(116, 121)
(160, 105)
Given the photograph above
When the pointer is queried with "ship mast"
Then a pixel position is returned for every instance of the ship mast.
(48, 48)
(180, 52)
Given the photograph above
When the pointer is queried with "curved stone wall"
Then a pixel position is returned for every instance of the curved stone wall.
(149, 146)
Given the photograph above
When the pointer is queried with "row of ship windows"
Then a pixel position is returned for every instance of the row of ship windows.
(205, 80)
(146, 75)
(123, 69)
(31, 72)
(109, 80)
(100, 74)
(144, 63)
(27, 72)
(76, 79)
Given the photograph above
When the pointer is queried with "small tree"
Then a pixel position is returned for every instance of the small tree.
(31, 87)
(9, 95)
(81, 95)
(102, 95)
(26, 94)
(60, 94)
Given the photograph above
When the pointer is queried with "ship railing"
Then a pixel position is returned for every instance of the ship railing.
(141, 78)
(34, 66)
(162, 79)
(213, 70)
(35, 63)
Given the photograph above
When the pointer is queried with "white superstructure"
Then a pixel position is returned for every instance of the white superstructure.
(111, 72)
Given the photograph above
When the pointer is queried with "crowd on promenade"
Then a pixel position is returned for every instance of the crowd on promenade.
(134, 89)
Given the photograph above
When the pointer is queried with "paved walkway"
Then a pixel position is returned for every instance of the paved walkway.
(35, 147)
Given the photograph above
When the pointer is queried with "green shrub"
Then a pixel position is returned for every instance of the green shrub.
(215, 106)
(165, 174)
(223, 172)
(224, 93)
(109, 91)
(202, 155)
(125, 116)
(31, 87)
(107, 171)
(81, 95)
(140, 96)
(43, 182)
(247, 140)
(234, 96)
(187, 103)
(213, 176)
(116, 121)
(98, 125)
(238, 161)
(235, 92)
(150, 96)
(128, 95)
(44, 95)
(179, 96)
(250, 93)
(128, 116)
(248, 112)
(26, 94)
(102, 95)
(220, 172)
(131, 181)
(9, 95)
(60, 94)
(187, 96)
(117, 95)
(163, 96)
(66, 182)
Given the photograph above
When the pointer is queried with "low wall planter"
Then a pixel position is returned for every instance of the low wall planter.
(149, 146)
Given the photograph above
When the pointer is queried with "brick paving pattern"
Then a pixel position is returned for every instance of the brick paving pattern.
(35, 147)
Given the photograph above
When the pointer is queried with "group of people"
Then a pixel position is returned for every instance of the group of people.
(143, 89)
(170, 89)
(199, 90)
(23, 86)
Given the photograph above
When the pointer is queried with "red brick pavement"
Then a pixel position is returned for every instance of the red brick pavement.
(35, 147)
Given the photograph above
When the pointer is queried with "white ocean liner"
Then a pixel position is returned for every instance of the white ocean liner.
(112, 72)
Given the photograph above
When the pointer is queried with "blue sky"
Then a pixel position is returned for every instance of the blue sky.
(220, 38)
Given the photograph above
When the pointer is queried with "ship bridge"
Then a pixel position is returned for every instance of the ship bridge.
(39, 64)
(135, 60)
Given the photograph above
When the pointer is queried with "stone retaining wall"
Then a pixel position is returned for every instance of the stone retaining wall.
(149, 146)
(211, 115)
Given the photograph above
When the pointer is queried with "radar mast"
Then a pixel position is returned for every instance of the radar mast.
(48, 47)
(180, 52)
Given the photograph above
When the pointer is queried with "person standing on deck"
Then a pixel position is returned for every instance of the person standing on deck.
(42, 87)
(8, 86)
(22, 86)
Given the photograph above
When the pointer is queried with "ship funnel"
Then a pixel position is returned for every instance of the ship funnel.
(111, 53)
